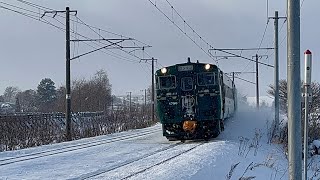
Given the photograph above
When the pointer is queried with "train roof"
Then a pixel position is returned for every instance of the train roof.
(189, 63)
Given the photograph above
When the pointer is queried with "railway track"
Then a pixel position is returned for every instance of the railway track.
(51, 152)
(163, 161)
(132, 161)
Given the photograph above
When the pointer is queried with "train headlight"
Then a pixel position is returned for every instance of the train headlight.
(207, 66)
(164, 70)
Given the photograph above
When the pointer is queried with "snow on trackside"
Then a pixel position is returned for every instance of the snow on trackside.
(244, 142)
(316, 143)
(242, 150)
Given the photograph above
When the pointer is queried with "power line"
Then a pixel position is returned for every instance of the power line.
(188, 24)
(264, 33)
(32, 17)
(63, 30)
(244, 80)
(100, 42)
(263, 36)
(94, 29)
(36, 16)
(301, 5)
(81, 22)
(110, 41)
(47, 8)
(236, 55)
(183, 32)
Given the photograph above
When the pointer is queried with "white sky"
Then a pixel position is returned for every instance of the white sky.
(31, 50)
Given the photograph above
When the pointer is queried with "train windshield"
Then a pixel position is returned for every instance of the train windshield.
(186, 83)
(205, 79)
(167, 82)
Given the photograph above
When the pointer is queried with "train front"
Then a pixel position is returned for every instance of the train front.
(188, 102)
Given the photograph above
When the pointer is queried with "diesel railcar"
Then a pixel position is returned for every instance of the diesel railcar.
(193, 100)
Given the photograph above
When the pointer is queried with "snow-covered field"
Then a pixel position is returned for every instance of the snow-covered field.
(241, 151)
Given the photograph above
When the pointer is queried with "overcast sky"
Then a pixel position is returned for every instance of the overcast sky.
(31, 50)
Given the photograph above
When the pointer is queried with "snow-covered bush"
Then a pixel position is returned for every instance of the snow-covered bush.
(20, 131)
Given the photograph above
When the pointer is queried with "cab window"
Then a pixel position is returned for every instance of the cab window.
(167, 82)
(205, 79)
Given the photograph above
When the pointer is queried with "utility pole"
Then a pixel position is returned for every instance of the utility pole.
(257, 81)
(112, 104)
(233, 77)
(294, 90)
(68, 91)
(129, 102)
(145, 97)
(152, 89)
(257, 78)
(276, 71)
(152, 81)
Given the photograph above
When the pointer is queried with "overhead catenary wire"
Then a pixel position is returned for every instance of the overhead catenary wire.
(81, 22)
(100, 41)
(183, 32)
(100, 29)
(35, 17)
(185, 22)
(106, 39)
(282, 41)
(31, 16)
(113, 54)
(260, 44)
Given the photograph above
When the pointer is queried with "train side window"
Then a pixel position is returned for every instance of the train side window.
(167, 82)
(205, 79)
(186, 83)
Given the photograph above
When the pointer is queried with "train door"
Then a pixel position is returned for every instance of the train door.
(188, 100)
(222, 95)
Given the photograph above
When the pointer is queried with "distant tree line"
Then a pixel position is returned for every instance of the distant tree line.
(87, 95)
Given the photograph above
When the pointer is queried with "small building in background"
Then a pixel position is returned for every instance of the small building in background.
(7, 108)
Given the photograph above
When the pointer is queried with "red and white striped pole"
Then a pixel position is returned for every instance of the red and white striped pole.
(308, 98)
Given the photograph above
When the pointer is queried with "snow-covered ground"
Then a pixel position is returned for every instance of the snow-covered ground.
(242, 150)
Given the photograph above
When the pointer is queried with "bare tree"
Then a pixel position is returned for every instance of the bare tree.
(28, 100)
(60, 103)
(10, 93)
(315, 89)
(92, 95)
(314, 125)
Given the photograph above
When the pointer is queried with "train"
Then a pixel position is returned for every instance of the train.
(193, 100)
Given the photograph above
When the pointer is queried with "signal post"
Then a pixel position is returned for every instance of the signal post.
(307, 100)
